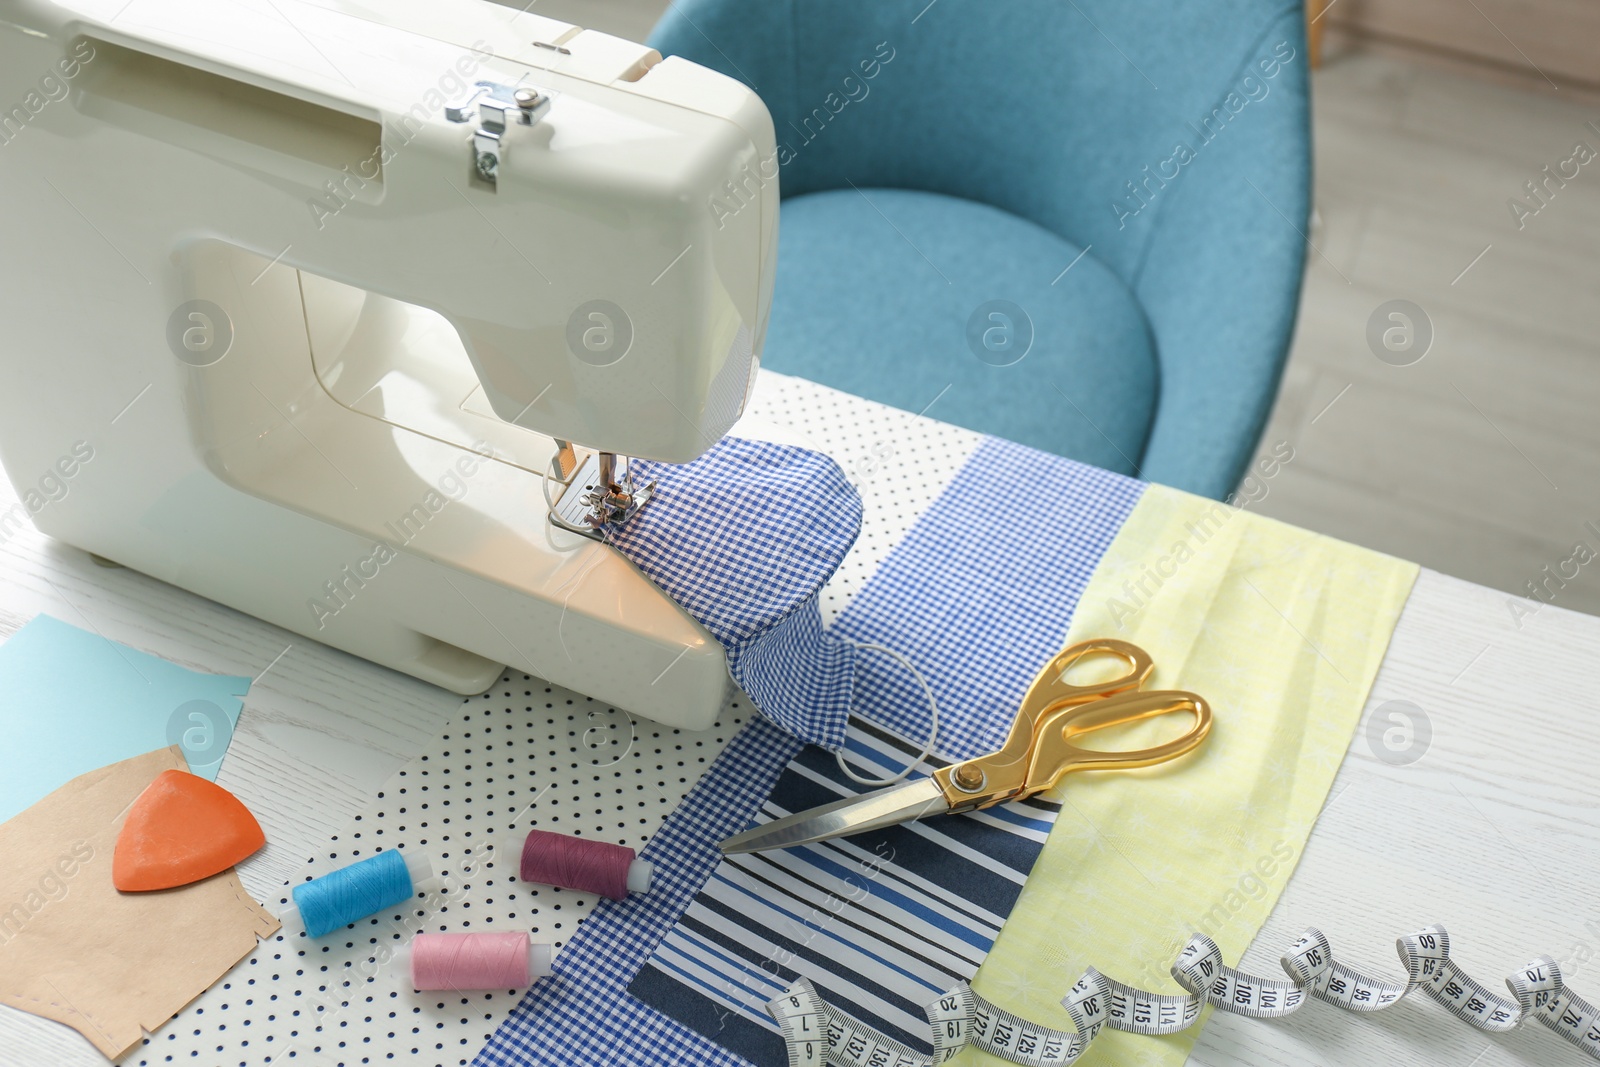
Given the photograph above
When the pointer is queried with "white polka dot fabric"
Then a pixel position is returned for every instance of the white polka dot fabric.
(525, 755)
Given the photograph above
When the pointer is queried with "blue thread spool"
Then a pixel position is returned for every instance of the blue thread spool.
(353, 893)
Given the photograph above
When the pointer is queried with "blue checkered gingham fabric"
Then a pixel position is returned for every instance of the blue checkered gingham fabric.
(583, 1015)
(971, 538)
(744, 539)
(980, 592)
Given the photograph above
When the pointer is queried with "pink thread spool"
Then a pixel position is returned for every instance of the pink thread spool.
(577, 863)
(459, 962)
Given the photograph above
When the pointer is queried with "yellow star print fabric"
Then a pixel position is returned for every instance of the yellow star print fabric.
(1282, 631)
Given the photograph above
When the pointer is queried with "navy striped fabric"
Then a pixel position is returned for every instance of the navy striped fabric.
(883, 921)
(979, 594)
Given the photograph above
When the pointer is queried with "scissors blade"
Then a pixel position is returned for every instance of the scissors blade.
(853, 815)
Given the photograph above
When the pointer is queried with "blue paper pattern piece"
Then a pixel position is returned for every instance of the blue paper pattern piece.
(744, 538)
(72, 701)
(949, 572)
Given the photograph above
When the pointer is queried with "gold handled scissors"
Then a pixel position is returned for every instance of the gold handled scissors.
(1041, 748)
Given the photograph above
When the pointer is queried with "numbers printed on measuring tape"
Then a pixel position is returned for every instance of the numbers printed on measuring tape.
(962, 1017)
(845, 1042)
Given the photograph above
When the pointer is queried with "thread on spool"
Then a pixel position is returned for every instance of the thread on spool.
(576, 863)
(470, 961)
(352, 893)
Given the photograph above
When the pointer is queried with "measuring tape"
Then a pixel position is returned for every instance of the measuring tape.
(819, 1036)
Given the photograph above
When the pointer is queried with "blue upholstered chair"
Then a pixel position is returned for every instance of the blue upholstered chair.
(1114, 191)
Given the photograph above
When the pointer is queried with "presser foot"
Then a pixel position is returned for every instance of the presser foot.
(599, 496)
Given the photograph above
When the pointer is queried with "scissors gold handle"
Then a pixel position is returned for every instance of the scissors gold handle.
(1055, 714)
(1043, 745)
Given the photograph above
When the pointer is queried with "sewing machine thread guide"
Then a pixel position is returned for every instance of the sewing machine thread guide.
(497, 108)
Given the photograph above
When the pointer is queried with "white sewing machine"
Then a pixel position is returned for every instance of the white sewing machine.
(304, 298)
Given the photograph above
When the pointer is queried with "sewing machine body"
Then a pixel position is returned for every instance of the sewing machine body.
(318, 356)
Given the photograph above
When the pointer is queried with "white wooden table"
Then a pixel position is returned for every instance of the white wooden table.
(1495, 831)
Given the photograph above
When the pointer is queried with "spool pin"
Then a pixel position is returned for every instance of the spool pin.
(575, 863)
(353, 905)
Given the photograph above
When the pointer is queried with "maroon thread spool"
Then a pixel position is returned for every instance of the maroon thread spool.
(577, 863)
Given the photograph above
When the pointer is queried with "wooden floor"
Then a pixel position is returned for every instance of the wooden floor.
(1481, 460)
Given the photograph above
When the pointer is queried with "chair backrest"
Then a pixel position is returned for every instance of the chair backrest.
(1075, 114)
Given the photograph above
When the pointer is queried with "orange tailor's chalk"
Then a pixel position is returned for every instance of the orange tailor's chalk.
(182, 829)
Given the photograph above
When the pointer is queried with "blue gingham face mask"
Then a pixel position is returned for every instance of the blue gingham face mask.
(744, 538)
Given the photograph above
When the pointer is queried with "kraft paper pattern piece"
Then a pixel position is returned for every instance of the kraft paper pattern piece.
(71, 701)
(1283, 631)
(110, 965)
